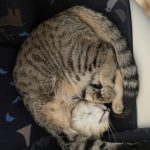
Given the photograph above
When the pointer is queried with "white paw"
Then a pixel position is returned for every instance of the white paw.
(117, 107)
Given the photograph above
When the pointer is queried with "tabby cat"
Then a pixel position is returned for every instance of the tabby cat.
(78, 51)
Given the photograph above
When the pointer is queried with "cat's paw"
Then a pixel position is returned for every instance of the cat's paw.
(117, 107)
(107, 94)
(93, 95)
(97, 97)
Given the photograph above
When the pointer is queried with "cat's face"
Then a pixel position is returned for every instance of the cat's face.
(90, 119)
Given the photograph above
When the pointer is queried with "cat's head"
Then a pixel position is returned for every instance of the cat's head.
(90, 119)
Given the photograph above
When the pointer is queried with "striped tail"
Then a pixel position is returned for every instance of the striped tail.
(107, 31)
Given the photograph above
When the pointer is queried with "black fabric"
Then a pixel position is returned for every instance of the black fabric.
(17, 128)
(140, 138)
(17, 19)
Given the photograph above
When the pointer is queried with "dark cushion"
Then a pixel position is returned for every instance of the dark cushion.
(17, 19)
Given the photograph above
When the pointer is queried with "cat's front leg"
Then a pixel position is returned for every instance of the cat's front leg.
(99, 95)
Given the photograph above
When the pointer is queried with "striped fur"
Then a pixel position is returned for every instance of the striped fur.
(63, 57)
(103, 27)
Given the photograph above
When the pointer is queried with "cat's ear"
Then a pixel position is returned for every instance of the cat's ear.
(145, 4)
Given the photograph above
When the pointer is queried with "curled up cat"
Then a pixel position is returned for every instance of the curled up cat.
(78, 50)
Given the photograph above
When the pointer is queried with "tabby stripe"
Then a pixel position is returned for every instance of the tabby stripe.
(99, 61)
(65, 63)
(122, 44)
(125, 59)
(68, 39)
(49, 64)
(90, 68)
(123, 47)
(44, 52)
(44, 58)
(130, 71)
(115, 36)
(94, 65)
(71, 61)
(130, 93)
(37, 58)
(62, 35)
(130, 90)
(131, 83)
(67, 42)
(60, 59)
(57, 61)
(96, 56)
(51, 36)
(48, 26)
(86, 57)
(35, 66)
(28, 50)
(125, 55)
(133, 77)
(41, 50)
(80, 57)
(22, 84)
(52, 59)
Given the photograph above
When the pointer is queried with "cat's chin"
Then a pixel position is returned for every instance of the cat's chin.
(89, 119)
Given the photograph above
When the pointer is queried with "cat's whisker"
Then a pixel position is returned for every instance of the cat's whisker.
(113, 135)
(112, 127)
(112, 132)
(109, 133)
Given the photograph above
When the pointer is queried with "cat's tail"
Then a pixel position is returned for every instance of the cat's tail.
(107, 31)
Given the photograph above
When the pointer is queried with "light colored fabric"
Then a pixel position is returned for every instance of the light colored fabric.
(141, 46)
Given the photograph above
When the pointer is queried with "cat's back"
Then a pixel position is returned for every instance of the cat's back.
(63, 28)
(53, 43)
